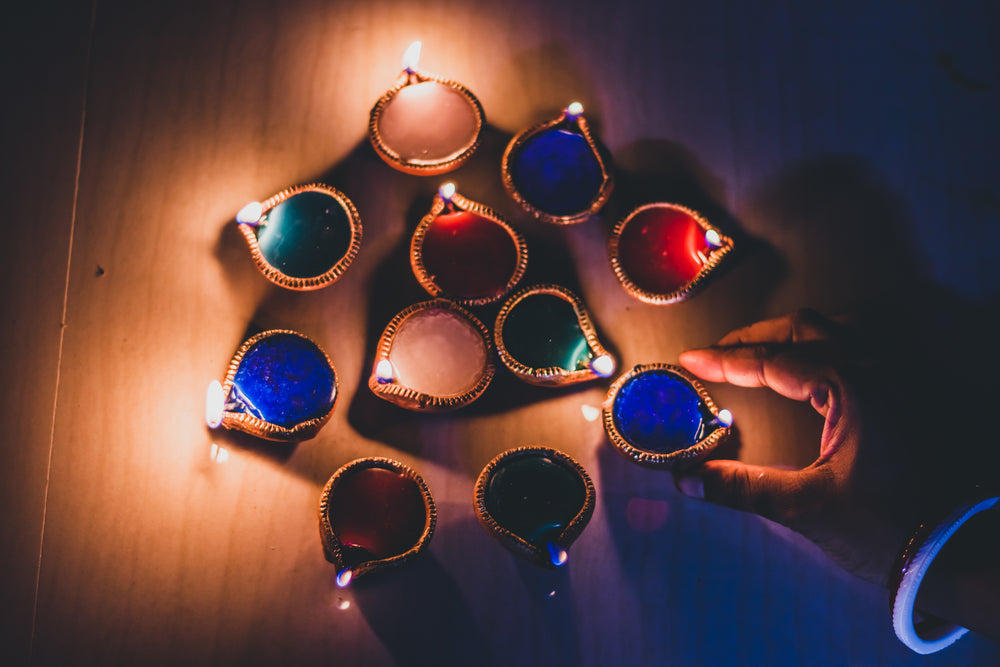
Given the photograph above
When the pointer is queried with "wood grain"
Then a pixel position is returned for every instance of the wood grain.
(811, 134)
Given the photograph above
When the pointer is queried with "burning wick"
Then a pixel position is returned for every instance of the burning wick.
(573, 110)
(603, 365)
(215, 404)
(250, 214)
(344, 577)
(384, 371)
(557, 555)
(725, 417)
(713, 239)
(411, 57)
(446, 192)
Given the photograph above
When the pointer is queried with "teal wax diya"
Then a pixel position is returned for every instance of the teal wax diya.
(660, 416)
(280, 386)
(544, 336)
(302, 238)
(535, 501)
(555, 170)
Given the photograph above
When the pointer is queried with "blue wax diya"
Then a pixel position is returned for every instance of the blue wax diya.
(280, 386)
(555, 170)
(659, 416)
(535, 501)
(302, 238)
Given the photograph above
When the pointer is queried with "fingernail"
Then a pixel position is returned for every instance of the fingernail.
(692, 487)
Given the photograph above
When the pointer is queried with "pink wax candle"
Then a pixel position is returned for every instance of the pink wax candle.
(425, 124)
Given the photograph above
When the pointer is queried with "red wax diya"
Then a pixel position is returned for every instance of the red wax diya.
(374, 513)
(465, 251)
(662, 252)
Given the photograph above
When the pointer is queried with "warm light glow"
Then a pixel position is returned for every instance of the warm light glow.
(447, 191)
(574, 110)
(590, 413)
(557, 554)
(383, 371)
(411, 57)
(344, 577)
(219, 454)
(250, 214)
(725, 417)
(215, 404)
(603, 365)
(713, 239)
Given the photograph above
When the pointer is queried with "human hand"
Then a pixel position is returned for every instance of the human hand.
(874, 478)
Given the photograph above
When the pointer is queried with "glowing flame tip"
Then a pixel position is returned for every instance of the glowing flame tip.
(215, 404)
(384, 371)
(725, 417)
(557, 554)
(447, 191)
(250, 214)
(574, 110)
(412, 56)
(344, 577)
(713, 239)
(603, 365)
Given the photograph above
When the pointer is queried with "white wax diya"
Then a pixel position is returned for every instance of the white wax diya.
(433, 356)
(425, 124)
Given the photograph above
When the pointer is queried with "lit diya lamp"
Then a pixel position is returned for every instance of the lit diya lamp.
(555, 170)
(535, 501)
(374, 514)
(433, 356)
(465, 251)
(302, 238)
(662, 252)
(280, 386)
(425, 124)
(545, 336)
(659, 416)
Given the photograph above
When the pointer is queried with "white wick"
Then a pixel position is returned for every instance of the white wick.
(713, 239)
(603, 365)
(573, 110)
(447, 191)
(250, 214)
(411, 57)
(384, 371)
(344, 577)
(725, 417)
(215, 404)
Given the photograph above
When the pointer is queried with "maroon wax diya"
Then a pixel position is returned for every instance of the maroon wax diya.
(374, 513)
(464, 251)
(662, 252)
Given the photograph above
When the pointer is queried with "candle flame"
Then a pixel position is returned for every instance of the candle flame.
(557, 554)
(574, 110)
(603, 365)
(250, 214)
(411, 57)
(384, 371)
(725, 417)
(713, 239)
(215, 404)
(344, 577)
(447, 191)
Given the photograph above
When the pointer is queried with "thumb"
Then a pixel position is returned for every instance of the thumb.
(773, 493)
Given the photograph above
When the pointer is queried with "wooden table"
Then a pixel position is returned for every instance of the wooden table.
(852, 150)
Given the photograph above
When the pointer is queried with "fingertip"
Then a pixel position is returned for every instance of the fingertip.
(692, 487)
(701, 362)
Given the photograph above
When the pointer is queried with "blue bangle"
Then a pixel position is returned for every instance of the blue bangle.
(917, 560)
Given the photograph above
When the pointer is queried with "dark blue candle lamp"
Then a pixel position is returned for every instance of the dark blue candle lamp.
(280, 386)
(302, 238)
(555, 170)
(535, 501)
(660, 416)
